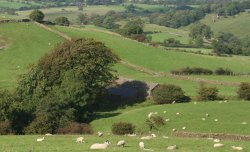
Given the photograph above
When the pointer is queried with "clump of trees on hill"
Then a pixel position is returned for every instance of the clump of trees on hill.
(36, 15)
(63, 21)
(227, 43)
(60, 89)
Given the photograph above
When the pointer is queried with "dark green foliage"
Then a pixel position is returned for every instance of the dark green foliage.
(61, 87)
(155, 122)
(166, 94)
(63, 21)
(208, 93)
(221, 71)
(244, 91)
(36, 15)
(82, 18)
(123, 128)
(108, 20)
(5, 128)
(200, 30)
(133, 27)
(195, 70)
(76, 128)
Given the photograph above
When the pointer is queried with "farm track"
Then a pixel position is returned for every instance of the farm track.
(143, 69)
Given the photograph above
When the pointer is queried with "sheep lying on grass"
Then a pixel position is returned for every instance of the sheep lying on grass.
(121, 143)
(172, 147)
(100, 146)
(40, 139)
(218, 145)
(237, 148)
(148, 137)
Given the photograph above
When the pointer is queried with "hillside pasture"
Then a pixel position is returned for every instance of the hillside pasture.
(26, 44)
(65, 143)
(13, 4)
(238, 24)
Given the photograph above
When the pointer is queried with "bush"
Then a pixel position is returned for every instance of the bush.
(5, 127)
(244, 91)
(155, 122)
(165, 94)
(208, 93)
(63, 21)
(123, 128)
(76, 128)
(221, 71)
(195, 70)
(36, 15)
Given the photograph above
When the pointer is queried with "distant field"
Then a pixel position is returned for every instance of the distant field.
(166, 32)
(13, 4)
(26, 44)
(72, 11)
(238, 25)
(155, 58)
(66, 143)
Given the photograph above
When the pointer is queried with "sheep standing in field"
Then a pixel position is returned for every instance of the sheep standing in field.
(40, 139)
(142, 146)
(100, 134)
(100, 146)
(218, 145)
(237, 148)
(80, 140)
(121, 143)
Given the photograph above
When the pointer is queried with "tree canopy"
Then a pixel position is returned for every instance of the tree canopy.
(36, 15)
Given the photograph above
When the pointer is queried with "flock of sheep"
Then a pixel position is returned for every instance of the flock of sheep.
(122, 143)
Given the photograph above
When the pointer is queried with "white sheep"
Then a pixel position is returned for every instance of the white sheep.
(215, 120)
(237, 148)
(131, 135)
(218, 145)
(174, 130)
(156, 113)
(121, 143)
(216, 140)
(80, 140)
(172, 147)
(177, 113)
(150, 115)
(195, 103)
(165, 137)
(142, 146)
(148, 137)
(173, 102)
(164, 111)
(153, 135)
(100, 134)
(40, 139)
(100, 146)
(207, 115)
(183, 128)
(244, 123)
(167, 120)
(48, 134)
(203, 119)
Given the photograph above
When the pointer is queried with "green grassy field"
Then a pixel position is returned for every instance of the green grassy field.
(238, 25)
(67, 143)
(13, 4)
(26, 44)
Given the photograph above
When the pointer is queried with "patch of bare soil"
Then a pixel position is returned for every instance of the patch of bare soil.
(212, 135)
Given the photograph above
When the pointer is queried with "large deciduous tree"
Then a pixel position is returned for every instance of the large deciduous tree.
(36, 15)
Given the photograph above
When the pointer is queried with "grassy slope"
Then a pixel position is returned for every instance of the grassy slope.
(27, 43)
(156, 58)
(238, 25)
(230, 115)
(67, 143)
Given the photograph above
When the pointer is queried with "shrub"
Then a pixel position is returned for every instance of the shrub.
(164, 94)
(155, 122)
(244, 91)
(76, 128)
(195, 70)
(221, 71)
(5, 127)
(63, 21)
(123, 128)
(208, 93)
(36, 15)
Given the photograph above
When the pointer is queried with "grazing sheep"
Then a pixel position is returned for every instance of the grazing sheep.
(131, 135)
(100, 146)
(153, 135)
(237, 148)
(156, 113)
(142, 146)
(172, 147)
(150, 115)
(121, 143)
(218, 145)
(203, 119)
(100, 134)
(148, 137)
(244, 123)
(225, 101)
(207, 115)
(174, 130)
(80, 140)
(165, 137)
(167, 120)
(177, 113)
(173, 102)
(48, 134)
(195, 103)
(183, 128)
(40, 139)
(216, 120)
(216, 140)
(164, 111)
